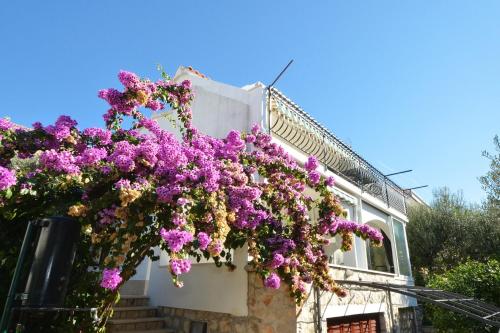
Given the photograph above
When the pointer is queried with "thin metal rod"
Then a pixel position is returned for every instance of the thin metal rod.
(414, 188)
(391, 309)
(397, 173)
(318, 310)
(4, 323)
(279, 75)
(491, 315)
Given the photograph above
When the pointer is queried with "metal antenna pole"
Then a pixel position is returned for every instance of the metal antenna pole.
(269, 95)
(279, 75)
(414, 188)
(397, 173)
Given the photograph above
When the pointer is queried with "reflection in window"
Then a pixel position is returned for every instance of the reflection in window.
(380, 258)
(333, 251)
(338, 257)
(404, 262)
(335, 255)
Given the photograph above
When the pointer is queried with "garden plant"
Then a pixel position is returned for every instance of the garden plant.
(134, 186)
(480, 280)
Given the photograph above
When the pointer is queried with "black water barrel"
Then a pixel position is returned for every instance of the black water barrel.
(51, 268)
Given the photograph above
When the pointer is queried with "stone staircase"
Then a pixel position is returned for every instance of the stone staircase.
(134, 315)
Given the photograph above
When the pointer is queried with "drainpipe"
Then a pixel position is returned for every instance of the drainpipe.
(319, 327)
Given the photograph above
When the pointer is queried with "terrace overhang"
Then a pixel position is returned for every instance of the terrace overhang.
(293, 125)
(483, 312)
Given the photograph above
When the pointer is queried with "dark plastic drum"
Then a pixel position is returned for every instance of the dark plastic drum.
(51, 268)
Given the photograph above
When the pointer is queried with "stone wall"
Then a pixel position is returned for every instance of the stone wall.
(269, 311)
(181, 320)
(274, 311)
(359, 300)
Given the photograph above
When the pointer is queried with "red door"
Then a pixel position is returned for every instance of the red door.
(367, 323)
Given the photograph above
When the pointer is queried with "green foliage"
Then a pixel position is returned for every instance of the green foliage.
(448, 233)
(455, 246)
(491, 181)
(474, 279)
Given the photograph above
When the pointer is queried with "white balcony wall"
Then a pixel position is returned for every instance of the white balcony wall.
(206, 287)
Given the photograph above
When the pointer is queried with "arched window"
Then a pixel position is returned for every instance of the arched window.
(380, 258)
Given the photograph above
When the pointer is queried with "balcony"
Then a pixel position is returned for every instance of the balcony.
(293, 125)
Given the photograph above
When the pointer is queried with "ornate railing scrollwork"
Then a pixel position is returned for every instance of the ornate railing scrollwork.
(293, 125)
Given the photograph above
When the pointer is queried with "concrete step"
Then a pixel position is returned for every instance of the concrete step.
(165, 330)
(133, 312)
(148, 323)
(132, 300)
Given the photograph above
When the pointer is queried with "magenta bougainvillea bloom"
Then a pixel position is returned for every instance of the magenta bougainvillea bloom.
(111, 278)
(330, 181)
(100, 135)
(311, 164)
(203, 239)
(91, 156)
(135, 186)
(179, 266)
(7, 178)
(314, 177)
(176, 239)
(6, 124)
(107, 215)
(63, 161)
(277, 261)
(62, 128)
(272, 281)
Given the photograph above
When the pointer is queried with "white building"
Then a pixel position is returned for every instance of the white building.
(236, 301)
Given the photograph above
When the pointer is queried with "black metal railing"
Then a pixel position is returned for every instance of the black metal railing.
(292, 124)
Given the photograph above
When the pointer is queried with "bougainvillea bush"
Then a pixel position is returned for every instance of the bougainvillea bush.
(137, 187)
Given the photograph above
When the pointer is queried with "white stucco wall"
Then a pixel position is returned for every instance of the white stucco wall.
(217, 109)
(206, 287)
(142, 271)
(370, 213)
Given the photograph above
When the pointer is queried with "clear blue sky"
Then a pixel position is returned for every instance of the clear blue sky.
(410, 85)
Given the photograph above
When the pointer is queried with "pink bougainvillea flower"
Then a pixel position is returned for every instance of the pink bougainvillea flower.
(176, 239)
(111, 278)
(7, 178)
(272, 281)
(179, 266)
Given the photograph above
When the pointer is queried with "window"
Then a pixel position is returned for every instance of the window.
(402, 252)
(335, 255)
(380, 258)
(366, 323)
